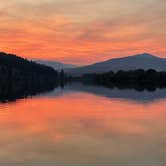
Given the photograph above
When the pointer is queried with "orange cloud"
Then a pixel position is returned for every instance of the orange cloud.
(69, 39)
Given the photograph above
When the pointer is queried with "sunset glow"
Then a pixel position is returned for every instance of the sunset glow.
(95, 128)
(82, 31)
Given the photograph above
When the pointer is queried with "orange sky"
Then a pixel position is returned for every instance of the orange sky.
(82, 31)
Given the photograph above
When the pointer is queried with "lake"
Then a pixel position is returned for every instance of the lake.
(85, 125)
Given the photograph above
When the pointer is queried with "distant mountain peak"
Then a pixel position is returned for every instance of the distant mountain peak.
(54, 64)
(145, 55)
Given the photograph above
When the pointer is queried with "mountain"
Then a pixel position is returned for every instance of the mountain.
(140, 61)
(54, 64)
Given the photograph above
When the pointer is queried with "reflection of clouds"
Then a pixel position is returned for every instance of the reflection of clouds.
(82, 128)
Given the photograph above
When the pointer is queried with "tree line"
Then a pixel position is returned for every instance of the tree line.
(138, 79)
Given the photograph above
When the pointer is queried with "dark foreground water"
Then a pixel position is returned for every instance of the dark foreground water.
(85, 126)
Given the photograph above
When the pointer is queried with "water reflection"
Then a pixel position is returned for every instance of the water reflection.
(11, 94)
(132, 94)
(128, 94)
(75, 128)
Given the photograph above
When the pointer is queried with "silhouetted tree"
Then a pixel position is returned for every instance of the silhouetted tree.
(62, 75)
(138, 79)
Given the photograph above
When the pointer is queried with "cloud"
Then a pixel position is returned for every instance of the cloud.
(82, 31)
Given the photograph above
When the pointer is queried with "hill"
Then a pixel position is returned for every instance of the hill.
(140, 61)
(20, 77)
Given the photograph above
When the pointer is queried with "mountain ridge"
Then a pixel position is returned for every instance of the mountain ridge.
(144, 55)
(139, 61)
(54, 64)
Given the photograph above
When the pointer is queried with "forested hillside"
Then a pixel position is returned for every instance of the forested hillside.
(20, 77)
(137, 79)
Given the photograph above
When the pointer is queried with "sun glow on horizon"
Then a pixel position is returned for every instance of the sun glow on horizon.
(82, 31)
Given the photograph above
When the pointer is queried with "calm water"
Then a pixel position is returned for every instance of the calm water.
(85, 125)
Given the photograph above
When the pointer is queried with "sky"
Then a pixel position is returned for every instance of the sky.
(82, 31)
